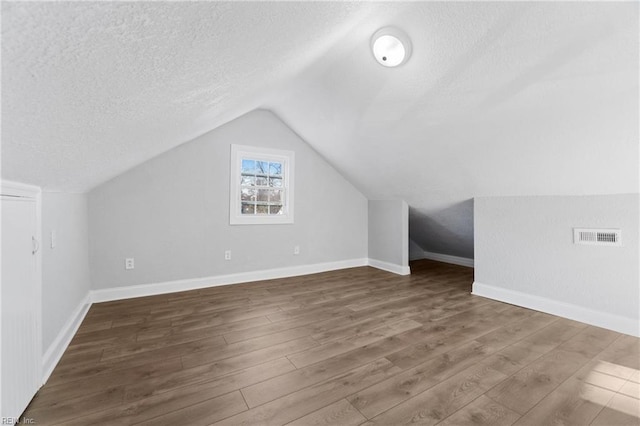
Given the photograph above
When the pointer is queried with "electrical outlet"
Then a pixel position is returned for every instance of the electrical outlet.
(227, 255)
(128, 263)
(296, 250)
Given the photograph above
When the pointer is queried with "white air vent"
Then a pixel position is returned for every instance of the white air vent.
(599, 237)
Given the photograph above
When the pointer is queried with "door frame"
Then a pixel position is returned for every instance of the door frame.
(8, 190)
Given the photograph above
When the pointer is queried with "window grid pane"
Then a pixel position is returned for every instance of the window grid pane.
(275, 209)
(248, 208)
(262, 187)
(248, 166)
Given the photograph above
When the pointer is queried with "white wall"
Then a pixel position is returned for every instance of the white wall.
(65, 270)
(171, 213)
(389, 235)
(524, 254)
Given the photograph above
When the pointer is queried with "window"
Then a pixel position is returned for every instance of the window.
(261, 186)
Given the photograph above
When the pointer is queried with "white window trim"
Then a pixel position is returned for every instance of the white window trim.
(287, 158)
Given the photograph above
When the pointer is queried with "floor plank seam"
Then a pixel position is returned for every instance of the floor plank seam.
(460, 409)
(282, 344)
(244, 398)
(356, 408)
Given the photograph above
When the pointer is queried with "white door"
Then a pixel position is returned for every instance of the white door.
(20, 306)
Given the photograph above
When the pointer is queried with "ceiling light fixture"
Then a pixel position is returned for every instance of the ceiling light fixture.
(391, 47)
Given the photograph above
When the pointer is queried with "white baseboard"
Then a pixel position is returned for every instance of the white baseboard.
(390, 267)
(446, 258)
(118, 293)
(59, 345)
(589, 316)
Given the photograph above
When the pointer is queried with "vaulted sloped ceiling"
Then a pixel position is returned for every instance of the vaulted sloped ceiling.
(497, 98)
(91, 89)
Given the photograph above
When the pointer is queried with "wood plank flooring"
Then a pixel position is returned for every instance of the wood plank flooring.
(351, 347)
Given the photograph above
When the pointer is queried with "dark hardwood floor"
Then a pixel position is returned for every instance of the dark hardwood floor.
(358, 346)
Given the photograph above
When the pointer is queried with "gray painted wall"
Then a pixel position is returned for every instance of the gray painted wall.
(171, 213)
(65, 268)
(525, 244)
(389, 231)
(447, 231)
(415, 251)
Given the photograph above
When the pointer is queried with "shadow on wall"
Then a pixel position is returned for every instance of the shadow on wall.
(446, 231)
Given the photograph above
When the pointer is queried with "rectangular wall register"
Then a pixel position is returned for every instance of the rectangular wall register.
(600, 237)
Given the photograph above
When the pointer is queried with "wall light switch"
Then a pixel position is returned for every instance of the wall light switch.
(54, 238)
(128, 263)
(296, 250)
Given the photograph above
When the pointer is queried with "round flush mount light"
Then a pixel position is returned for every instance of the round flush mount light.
(391, 47)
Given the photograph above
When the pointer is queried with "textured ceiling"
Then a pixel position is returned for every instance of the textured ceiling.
(497, 99)
(90, 89)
